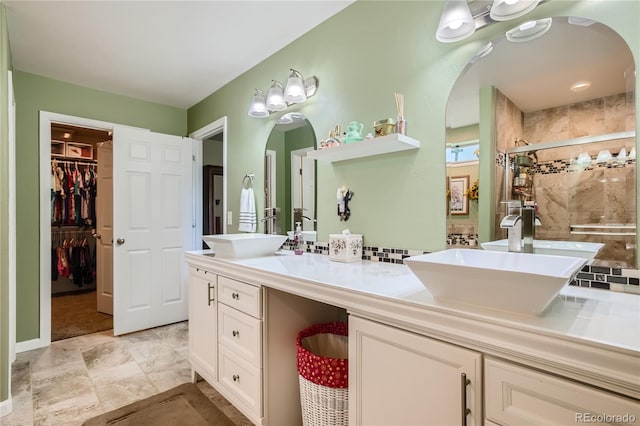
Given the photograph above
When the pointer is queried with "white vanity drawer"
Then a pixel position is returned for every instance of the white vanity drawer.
(244, 297)
(241, 379)
(204, 274)
(516, 395)
(241, 333)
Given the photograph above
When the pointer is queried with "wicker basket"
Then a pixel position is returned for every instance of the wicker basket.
(324, 392)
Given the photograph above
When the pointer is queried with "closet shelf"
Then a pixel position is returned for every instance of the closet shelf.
(381, 145)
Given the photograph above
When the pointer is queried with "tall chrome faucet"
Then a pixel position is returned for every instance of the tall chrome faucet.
(520, 222)
(512, 222)
(528, 227)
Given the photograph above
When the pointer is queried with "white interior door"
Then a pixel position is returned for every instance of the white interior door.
(104, 229)
(152, 228)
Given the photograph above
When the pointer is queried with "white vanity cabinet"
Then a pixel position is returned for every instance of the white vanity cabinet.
(240, 342)
(401, 378)
(516, 395)
(203, 316)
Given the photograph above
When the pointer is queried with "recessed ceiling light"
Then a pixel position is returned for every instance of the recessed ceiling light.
(529, 30)
(67, 135)
(580, 86)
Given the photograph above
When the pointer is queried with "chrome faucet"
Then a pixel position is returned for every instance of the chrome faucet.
(513, 223)
(520, 222)
(528, 227)
(272, 226)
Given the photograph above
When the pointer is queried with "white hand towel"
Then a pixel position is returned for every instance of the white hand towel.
(247, 216)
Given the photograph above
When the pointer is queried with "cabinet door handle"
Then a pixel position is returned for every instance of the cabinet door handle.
(235, 333)
(211, 298)
(465, 411)
(236, 378)
(235, 296)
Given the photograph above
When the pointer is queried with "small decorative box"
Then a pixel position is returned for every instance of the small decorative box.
(345, 248)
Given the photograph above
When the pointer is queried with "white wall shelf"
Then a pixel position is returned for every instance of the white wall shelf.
(381, 145)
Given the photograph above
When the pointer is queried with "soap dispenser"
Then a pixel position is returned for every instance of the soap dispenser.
(298, 240)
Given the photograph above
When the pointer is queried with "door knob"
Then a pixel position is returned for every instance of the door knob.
(120, 241)
(97, 236)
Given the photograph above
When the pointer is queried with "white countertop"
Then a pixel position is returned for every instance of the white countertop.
(588, 335)
(600, 316)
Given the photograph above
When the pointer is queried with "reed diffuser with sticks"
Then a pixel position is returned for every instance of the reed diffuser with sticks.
(401, 124)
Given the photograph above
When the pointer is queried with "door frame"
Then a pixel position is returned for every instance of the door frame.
(211, 129)
(46, 119)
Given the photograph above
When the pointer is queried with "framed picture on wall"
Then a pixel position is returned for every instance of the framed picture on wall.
(458, 201)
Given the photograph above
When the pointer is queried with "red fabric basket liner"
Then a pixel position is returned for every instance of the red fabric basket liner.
(324, 371)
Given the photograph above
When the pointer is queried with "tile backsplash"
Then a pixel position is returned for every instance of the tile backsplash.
(606, 278)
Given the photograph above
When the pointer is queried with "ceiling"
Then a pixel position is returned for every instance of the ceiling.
(537, 74)
(170, 52)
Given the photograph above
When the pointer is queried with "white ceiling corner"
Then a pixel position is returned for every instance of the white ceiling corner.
(170, 52)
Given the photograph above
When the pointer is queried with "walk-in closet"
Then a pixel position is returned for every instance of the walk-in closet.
(76, 210)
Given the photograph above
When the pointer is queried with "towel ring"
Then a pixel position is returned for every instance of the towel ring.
(250, 176)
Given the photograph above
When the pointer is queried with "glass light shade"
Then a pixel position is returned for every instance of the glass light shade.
(529, 30)
(275, 98)
(456, 22)
(295, 91)
(258, 106)
(503, 10)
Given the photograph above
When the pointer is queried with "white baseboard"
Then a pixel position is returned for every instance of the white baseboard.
(6, 407)
(29, 345)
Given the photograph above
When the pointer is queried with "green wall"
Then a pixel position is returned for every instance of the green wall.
(361, 57)
(33, 94)
(4, 206)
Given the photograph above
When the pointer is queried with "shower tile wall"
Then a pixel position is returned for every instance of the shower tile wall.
(568, 195)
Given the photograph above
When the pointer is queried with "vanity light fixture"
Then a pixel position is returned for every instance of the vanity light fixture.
(456, 22)
(297, 90)
(529, 30)
(275, 98)
(461, 18)
(504, 10)
(583, 22)
(484, 51)
(258, 107)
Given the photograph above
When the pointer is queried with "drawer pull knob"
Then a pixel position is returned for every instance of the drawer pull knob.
(236, 378)
(235, 333)
(235, 296)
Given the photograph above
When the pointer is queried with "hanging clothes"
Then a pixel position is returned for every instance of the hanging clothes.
(73, 193)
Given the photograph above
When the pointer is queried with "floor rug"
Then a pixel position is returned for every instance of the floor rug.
(181, 406)
(76, 315)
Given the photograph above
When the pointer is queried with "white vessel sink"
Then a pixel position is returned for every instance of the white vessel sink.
(555, 248)
(515, 282)
(240, 246)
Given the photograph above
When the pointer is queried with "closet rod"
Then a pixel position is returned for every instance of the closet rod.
(80, 163)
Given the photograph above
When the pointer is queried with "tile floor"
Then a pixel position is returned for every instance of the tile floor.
(75, 379)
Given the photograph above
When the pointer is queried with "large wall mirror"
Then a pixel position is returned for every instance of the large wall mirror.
(563, 130)
(290, 177)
